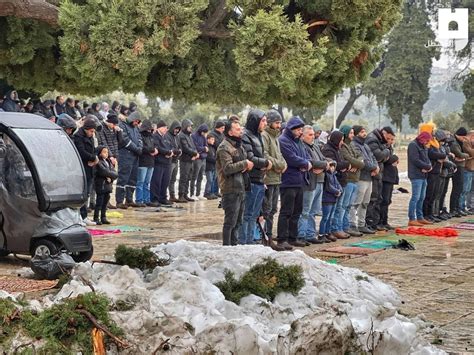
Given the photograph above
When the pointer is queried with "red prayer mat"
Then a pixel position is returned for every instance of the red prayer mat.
(438, 232)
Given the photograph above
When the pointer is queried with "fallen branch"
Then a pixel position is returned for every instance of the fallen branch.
(161, 347)
(88, 283)
(24, 346)
(96, 323)
(105, 262)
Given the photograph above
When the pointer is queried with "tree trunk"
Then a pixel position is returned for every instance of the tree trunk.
(30, 9)
(354, 95)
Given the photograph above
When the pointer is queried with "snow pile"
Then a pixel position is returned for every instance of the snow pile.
(338, 310)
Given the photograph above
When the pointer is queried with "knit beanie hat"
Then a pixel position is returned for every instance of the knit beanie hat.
(161, 123)
(345, 130)
(273, 116)
(461, 132)
(112, 118)
(220, 124)
(357, 129)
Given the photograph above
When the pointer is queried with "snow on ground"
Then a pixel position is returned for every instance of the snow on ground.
(339, 309)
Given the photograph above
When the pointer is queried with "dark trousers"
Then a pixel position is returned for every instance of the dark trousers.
(199, 167)
(127, 180)
(291, 201)
(83, 210)
(185, 172)
(387, 190)
(372, 218)
(233, 205)
(433, 184)
(458, 184)
(174, 175)
(101, 205)
(159, 182)
(439, 191)
(270, 207)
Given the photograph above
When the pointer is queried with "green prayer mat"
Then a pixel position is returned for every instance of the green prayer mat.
(374, 244)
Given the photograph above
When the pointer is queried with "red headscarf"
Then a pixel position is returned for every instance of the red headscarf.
(424, 138)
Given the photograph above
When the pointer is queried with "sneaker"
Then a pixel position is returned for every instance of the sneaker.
(201, 198)
(315, 241)
(189, 199)
(122, 206)
(285, 245)
(340, 235)
(297, 243)
(88, 222)
(436, 219)
(353, 233)
(424, 222)
(366, 230)
(463, 213)
(415, 223)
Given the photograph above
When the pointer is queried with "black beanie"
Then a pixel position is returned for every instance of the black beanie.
(112, 118)
(461, 132)
(357, 129)
(89, 123)
(220, 124)
(161, 123)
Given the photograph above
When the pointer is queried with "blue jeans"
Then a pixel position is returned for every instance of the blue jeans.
(253, 207)
(415, 207)
(307, 222)
(142, 194)
(210, 181)
(466, 188)
(328, 211)
(340, 221)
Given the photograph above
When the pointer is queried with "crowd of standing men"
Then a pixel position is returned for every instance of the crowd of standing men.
(347, 176)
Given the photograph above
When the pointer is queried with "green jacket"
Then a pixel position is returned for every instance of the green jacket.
(355, 158)
(231, 161)
(271, 148)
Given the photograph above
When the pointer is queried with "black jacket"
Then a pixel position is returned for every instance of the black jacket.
(211, 158)
(186, 142)
(58, 109)
(174, 140)
(86, 149)
(331, 151)
(73, 112)
(103, 170)
(379, 148)
(436, 154)
(146, 160)
(253, 145)
(390, 171)
(164, 144)
(109, 138)
(219, 137)
(417, 160)
(11, 104)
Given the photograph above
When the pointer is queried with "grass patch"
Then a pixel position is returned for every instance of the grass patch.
(266, 279)
(138, 258)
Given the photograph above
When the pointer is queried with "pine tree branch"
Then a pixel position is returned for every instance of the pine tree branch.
(30, 9)
(209, 28)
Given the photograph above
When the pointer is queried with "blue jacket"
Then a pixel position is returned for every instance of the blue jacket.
(131, 145)
(200, 141)
(417, 160)
(296, 156)
(331, 188)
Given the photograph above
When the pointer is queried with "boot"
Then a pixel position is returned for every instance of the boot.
(182, 199)
(104, 220)
(173, 198)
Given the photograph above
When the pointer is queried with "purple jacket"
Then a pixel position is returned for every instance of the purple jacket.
(296, 156)
(200, 141)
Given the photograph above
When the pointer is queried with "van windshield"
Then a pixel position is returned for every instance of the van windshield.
(55, 158)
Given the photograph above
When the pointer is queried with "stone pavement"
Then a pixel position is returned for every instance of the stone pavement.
(436, 280)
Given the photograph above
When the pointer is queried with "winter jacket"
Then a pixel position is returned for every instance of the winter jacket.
(370, 163)
(379, 148)
(164, 144)
(46, 111)
(174, 141)
(58, 109)
(332, 188)
(417, 160)
(10, 103)
(131, 144)
(186, 142)
(86, 149)
(449, 167)
(253, 145)
(468, 148)
(332, 152)
(456, 149)
(318, 161)
(200, 141)
(295, 155)
(110, 138)
(103, 170)
(73, 112)
(146, 160)
(354, 157)
(219, 137)
(211, 158)
(436, 154)
(390, 171)
(231, 161)
(271, 149)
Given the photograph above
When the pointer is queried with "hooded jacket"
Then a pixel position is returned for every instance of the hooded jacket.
(332, 152)
(295, 155)
(131, 144)
(272, 152)
(10, 103)
(370, 163)
(379, 148)
(86, 149)
(174, 140)
(186, 142)
(200, 141)
(103, 170)
(253, 145)
(354, 157)
(417, 160)
(146, 160)
(318, 161)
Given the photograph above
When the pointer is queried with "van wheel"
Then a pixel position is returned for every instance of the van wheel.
(44, 247)
(83, 256)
